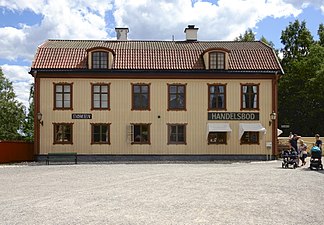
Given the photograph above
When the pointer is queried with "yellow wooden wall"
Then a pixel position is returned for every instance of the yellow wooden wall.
(120, 116)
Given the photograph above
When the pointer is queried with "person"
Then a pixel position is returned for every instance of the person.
(294, 146)
(290, 135)
(318, 141)
(303, 151)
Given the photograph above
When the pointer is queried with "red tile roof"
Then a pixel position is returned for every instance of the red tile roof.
(155, 55)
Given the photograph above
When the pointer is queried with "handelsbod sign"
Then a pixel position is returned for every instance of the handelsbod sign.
(233, 116)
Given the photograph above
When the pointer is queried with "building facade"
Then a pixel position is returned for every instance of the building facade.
(155, 100)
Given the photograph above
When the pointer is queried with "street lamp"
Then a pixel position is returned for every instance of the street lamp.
(39, 118)
(273, 117)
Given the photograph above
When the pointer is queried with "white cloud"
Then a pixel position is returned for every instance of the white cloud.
(62, 19)
(224, 20)
(21, 80)
(301, 4)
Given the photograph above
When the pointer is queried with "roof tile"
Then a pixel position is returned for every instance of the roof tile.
(152, 55)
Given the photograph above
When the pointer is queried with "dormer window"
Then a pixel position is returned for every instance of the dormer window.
(217, 60)
(100, 60)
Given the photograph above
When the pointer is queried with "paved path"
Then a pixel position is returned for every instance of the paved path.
(192, 193)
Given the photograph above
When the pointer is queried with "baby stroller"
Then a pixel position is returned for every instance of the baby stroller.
(316, 158)
(289, 158)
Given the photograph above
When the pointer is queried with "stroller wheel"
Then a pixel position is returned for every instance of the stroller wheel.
(295, 165)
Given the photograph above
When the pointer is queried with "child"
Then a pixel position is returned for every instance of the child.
(303, 151)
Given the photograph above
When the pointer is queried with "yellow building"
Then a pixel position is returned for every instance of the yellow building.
(156, 100)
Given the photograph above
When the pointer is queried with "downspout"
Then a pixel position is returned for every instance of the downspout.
(275, 109)
(36, 110)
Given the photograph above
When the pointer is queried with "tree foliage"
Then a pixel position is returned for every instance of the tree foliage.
(28, 125)
(301, 88)
(247, 36)
(296, 39)
(320, 33)
(11, 111)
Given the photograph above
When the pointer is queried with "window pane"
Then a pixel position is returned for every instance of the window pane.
(58, 97)
(180, 129)
(181, 101)
(96, 97)
(220, 102)
(58, 88)
(212, 103)
(67, 97)
(104, 104)
(173, 137)
(104, 89)
(67, 104)
(180, 137)
(144, 101)
(173, 101)
(173, 89)
(96, 104)
(137, 133)
(96, 88)
(144, 89)
(137, 89)
(58, 104)
(104, 97)
(181, 89)
(67, 88)
(220, 89)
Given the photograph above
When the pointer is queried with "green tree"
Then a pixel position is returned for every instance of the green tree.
(247, 36)
(11, 111)
(271, 44)
(296, 39)
(301, 92)
(315, 89)
(320, 33)
(264, 40)
(28, 126)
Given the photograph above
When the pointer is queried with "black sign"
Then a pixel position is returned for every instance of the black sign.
(233, 116)
(86, 116)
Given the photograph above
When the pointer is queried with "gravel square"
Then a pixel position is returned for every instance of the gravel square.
(161, 193)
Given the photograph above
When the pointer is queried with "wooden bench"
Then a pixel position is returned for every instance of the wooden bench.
(62, 157)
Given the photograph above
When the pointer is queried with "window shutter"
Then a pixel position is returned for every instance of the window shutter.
(130, 133)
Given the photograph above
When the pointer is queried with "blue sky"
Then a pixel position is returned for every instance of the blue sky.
(26, 24)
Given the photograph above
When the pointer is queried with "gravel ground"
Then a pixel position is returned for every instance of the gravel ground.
(148, 193)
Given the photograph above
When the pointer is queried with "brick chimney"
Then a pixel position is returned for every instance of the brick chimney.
(191, 33)
(121, 34)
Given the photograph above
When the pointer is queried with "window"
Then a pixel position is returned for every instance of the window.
(100, 133)
(177, 97)
(62, 133)
(140, 97)
(176, 134)
(250, 96)
(63, 96)
(141, 134)
(250, 137)
(100, 96)
(99, 60)
(216, 60)
(217, 138)
(217, 97)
